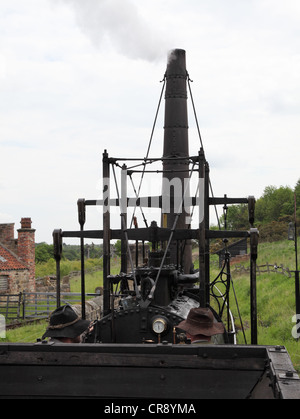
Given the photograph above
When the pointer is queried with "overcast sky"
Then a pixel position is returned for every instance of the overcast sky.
(81, 76)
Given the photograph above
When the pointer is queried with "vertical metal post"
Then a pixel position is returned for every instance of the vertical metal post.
(253, 245)
(57, 249)
(57, 283)
(135, 223)
(123, 210)
(297, 291)
(297, 287)
(202, 246)
(206, 221)
(228, 275)
(106, 233)
(81, 219)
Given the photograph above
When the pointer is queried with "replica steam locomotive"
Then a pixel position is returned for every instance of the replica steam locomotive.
(135, 350)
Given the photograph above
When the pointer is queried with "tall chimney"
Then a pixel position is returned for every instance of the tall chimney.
(7, 232)
(26, 249)
(176, 145)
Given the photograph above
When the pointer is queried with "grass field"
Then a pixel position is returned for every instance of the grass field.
(95, 279)
(275, 300)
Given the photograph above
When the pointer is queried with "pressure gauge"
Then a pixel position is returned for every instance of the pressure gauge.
(159, 325)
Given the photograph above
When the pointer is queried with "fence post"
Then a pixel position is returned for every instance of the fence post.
(24, 298)
(36, 304)
(19, 303)
(7, 305)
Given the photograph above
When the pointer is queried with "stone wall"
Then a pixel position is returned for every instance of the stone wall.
(48, 284)
(7, 236)
(93, 309)
(18, 281)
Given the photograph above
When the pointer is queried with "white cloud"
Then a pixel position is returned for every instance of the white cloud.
(120, 24)
(78, 77)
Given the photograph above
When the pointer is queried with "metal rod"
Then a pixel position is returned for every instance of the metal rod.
(178, 214)
(253, 296)
(81, 220)
(123, 208)
(160, 171)
(106, 234)
(207, 222)
(297, 286)
(57, 283)
(82, 278)
(297, 291)
(228, 276)
(151, 159)
(202, 247)
(57, 250)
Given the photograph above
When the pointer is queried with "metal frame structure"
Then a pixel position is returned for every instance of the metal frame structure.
(155, 235)
(126, 358)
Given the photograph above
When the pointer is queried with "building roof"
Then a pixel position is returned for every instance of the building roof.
(9, 261)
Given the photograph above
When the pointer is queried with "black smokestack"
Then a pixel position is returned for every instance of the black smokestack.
(176, 148)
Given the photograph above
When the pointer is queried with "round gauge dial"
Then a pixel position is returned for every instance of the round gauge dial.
(159, 325)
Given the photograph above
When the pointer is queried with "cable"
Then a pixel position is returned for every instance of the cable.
(201, 143)
(149, 145)
(238, 309)
(124, 229)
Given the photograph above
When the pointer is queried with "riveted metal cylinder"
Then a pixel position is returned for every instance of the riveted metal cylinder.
(176, 148)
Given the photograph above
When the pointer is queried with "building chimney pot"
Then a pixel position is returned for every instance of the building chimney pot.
(26, 223)
(26, 249)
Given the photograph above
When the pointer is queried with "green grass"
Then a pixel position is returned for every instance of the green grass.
(282, 252)
(66, 266)
(275, 300)
(94, 280)
(26, 334)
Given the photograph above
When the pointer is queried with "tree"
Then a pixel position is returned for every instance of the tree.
(43, 252)
(297, 192)
(274, 204)
(237, 217)
(118, 247)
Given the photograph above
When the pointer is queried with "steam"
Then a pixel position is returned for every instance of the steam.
(120, 22)
(172, 55)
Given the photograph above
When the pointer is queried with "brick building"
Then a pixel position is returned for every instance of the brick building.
(17, 258)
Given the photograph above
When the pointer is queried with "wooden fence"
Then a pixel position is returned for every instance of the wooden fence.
(260, 269)
(36, 304)
(10, 306)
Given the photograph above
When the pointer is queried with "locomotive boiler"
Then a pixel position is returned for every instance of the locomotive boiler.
(136, 350)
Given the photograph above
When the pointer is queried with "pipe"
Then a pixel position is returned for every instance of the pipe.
(176, 146)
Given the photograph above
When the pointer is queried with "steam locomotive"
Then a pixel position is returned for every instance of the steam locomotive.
(135, 350)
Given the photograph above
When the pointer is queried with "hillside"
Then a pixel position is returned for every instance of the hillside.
(275, 299)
